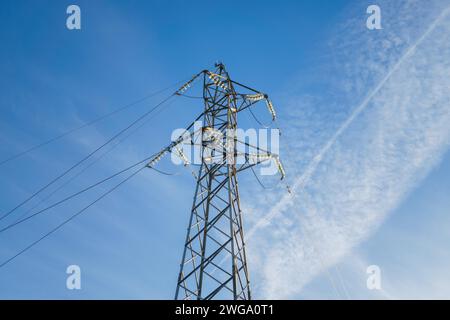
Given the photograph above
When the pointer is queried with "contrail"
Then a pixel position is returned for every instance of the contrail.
(301, 182)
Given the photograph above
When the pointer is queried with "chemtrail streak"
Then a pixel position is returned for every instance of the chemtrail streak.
(403, 132)
(301, 182)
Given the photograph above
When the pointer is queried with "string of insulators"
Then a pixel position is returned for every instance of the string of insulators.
(184, 88)
(271, 109)
(156, 159)
(187, 85)
(182, 156)
(211, 159)
(275, 158)
(216, 79)
(280, 167)
(260, 156)
(255, 97)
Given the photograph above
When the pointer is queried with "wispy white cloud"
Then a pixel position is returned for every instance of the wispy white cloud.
(365, 168)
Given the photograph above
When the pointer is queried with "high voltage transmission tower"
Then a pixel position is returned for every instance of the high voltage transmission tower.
(214, 262)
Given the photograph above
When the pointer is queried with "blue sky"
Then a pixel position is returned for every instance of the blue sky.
(319, 64)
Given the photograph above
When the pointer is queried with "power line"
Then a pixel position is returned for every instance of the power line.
(86, 124)
(92, 163)
(265, 126)
(18, 220)
(70, 218)
(76, 194)
(87, 157)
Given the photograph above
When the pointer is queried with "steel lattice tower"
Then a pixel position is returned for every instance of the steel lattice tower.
(214, 262)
